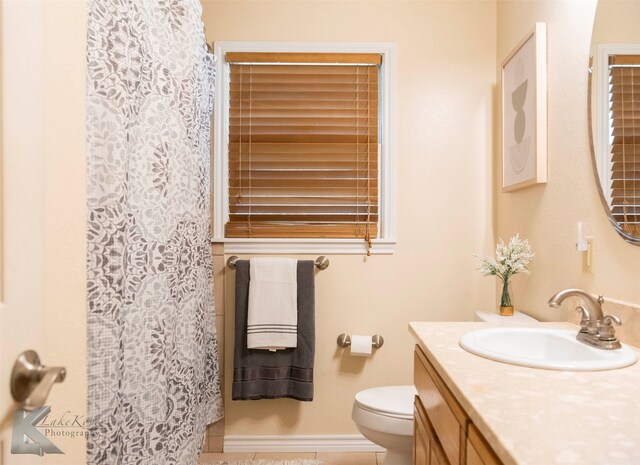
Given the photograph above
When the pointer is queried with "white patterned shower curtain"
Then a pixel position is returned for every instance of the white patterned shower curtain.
(152, 352)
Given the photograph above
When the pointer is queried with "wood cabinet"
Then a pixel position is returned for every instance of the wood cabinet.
(443, 432)
(479, 452)
(421, 436)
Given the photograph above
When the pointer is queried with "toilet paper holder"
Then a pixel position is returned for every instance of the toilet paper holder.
(344, 340)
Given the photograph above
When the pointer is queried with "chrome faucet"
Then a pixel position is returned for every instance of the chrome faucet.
(595, 328)
(593, 306)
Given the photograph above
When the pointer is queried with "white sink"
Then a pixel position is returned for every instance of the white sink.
(553, 349)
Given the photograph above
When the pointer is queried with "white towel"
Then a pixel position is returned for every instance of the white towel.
(272, 320)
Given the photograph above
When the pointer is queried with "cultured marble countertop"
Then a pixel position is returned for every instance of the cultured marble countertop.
(533, 416)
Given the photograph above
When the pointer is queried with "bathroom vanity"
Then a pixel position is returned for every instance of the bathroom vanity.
(443, 432)
(473, 411)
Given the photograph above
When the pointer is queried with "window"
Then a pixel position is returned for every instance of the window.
(624, 140)
(302, 160)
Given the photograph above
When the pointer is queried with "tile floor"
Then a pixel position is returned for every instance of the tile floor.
(329, 458)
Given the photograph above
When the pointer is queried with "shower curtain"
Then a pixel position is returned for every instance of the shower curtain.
(152, 352)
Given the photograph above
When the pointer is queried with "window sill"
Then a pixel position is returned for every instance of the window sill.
(305, 246)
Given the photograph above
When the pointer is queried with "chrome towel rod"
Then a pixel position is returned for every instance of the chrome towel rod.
(322, 262)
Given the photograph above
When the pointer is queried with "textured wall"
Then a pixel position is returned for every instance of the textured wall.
(546, 215)
(446, 85)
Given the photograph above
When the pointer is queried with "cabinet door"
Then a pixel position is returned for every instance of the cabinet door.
(437, 455)
(478, 450)
(434, 458)
(420, 438)
(446, 416)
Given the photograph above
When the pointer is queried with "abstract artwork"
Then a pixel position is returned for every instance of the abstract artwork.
(524, 112)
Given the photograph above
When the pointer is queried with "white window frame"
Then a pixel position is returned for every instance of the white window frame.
(385, 243)
(602, 136)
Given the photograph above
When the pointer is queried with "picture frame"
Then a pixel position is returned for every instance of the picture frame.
(524, 112)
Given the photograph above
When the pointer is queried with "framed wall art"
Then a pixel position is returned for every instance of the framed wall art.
(524, 112)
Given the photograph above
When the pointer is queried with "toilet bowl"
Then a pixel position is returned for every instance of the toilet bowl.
(384, 415)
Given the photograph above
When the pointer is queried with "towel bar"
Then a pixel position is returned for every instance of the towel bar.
(322, 262)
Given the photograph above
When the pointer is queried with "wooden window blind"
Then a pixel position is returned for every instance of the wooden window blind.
(624, 119)
(303, 145)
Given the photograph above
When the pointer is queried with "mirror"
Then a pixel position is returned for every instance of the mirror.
(614, 100)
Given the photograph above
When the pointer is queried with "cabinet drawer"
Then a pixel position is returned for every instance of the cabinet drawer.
(443, 410)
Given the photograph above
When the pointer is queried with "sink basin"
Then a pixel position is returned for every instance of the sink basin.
(553, 349)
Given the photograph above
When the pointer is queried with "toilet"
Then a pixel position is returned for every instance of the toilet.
(384, 415)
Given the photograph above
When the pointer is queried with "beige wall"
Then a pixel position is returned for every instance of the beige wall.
(616, 22)
(546, 215)
(446, 78)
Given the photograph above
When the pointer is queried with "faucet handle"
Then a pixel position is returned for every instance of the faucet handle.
(610, 320)
(586, 318)
(606, 332)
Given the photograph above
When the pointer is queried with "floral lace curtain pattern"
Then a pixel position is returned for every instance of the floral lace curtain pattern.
(152, 351)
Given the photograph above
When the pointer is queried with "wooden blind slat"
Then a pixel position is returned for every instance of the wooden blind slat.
(316, 173)
(324, 104)
(306, 148)
(361, 97)
(291, 122)
(289, 57)
(303, 166)
(301, 112)
(343, 213)
(295, 71)
(299, 126)
(628, 77)
(298, 192)
(624, 60)
(280, 138)
(286, 230)
(625, 107)
(631, 151)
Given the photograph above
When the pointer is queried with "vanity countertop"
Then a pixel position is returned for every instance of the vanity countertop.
(533, 416)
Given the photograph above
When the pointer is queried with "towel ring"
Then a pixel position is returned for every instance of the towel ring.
(322, 262)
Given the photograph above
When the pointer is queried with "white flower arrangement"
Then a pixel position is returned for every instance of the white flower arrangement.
(511, 259)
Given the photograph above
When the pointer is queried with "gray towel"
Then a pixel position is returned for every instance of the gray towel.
(258, 374)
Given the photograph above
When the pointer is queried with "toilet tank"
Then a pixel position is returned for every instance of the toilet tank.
(493, 317)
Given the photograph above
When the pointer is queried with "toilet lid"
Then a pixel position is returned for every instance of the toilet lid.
(395, 400)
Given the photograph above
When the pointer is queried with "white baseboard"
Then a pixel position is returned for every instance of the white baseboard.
(300, 443)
